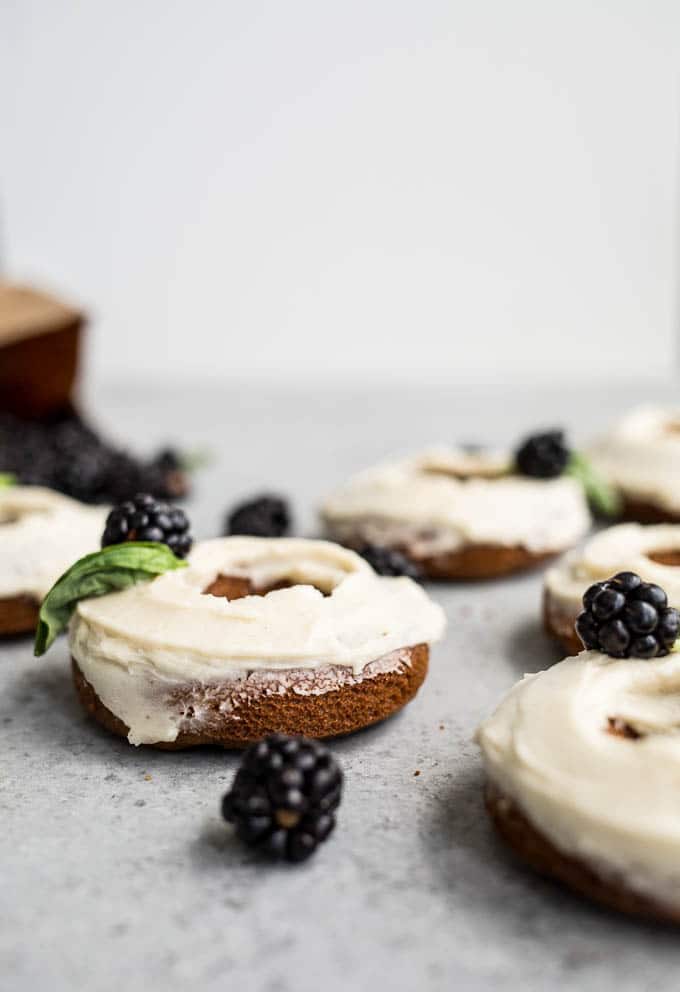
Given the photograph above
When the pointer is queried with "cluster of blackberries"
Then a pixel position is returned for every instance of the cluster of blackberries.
(388, 561)
(625, 617)
(66, 454)
(144, 518)
(283, 799)
(543, 456)
(265, 516)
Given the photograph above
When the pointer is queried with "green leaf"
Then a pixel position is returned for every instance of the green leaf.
(196, 458)
(7, 479)
(109, 570)
(604, 499)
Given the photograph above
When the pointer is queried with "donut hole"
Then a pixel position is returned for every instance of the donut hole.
(665, 556)
(238, 586)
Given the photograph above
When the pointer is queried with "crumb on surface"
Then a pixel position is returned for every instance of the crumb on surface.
(416, 772)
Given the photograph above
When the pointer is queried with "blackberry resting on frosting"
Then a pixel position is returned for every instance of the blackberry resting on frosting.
(543, 456)
(284, 797)
(144, 518)
(625, 617)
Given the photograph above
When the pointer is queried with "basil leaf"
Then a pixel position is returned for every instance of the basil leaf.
(7, 479)
(603, 497)
(109, 570)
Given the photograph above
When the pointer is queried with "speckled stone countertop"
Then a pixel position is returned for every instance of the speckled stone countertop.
(117, 871)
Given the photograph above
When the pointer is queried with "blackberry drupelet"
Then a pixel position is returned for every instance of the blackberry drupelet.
(284, 797)
(389, 561)
(543, 456)
(266, 516)
(144, 518)
(625, 617)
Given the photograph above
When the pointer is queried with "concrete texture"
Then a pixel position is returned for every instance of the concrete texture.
(117, 871)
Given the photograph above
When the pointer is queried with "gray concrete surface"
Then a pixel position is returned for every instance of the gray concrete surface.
(117, 872)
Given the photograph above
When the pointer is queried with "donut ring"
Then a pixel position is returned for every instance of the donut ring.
(640, 456)
(255, 636)
(41, 534)
(652, 551)
(459, 515)
(581, 762)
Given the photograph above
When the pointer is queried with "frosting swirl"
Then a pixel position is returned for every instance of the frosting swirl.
(41, 534)
(641, 455)
(622, 548)
(606, 798)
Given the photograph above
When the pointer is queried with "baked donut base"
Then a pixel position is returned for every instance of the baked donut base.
(559, 621)
(472, 561)
(647, 513)
(479, 561)
(535, 850)
(232, 721)
(18, 615)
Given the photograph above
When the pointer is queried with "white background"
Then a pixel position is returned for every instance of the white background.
(444, 191)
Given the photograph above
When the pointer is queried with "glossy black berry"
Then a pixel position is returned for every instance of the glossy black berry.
(144, 518)
(625, 581)
(652, 594)
(284, 796)
(607, 603)
(389, 561)
(625, 617)
(640, 617)
(266, 516)
(543, 456)
(614, 638)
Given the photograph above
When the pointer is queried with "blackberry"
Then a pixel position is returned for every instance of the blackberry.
(66, 454)
(266, 516)
(543, 456)
(144, 518)
(284, 796)
(389, 561)
(625, 617)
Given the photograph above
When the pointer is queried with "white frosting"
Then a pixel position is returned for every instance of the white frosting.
(623, 548)
(641, 455)
(438, 501)
(41, 534)
(135, 646)
(610, 801)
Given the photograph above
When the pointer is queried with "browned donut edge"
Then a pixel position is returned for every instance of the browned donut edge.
(18, 615)
(642, 512)
(479, 561)
(329, 714)
(472, 561)
(535, 850)
(559, 623)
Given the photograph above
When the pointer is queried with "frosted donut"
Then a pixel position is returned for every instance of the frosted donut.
(582, 765)
(641, 457)
(652, 551)
(41, 534)
(256, 635)
(459, 515)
